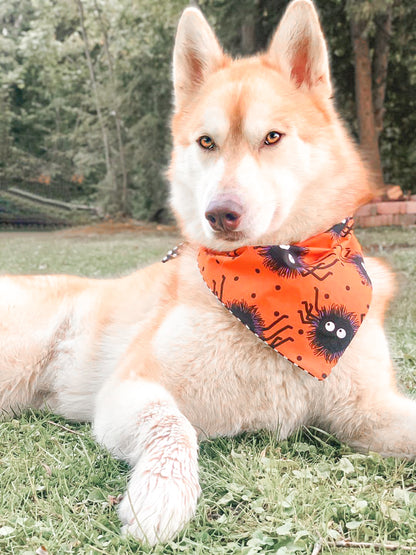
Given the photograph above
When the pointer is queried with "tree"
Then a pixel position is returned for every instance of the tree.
(110, 174)
(370, 74)
(55, 111)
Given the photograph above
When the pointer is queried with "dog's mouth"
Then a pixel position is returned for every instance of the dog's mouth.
(229, 236)
(227, 241)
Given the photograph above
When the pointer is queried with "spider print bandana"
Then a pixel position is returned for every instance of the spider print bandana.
(305, 300)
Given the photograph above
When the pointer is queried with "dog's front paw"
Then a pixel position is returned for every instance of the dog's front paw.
(157, 505)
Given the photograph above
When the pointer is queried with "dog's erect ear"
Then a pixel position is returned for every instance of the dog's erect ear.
(197, 53)
(299, 49)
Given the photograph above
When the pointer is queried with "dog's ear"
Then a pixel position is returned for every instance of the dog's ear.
(197, 53)
(299, 49)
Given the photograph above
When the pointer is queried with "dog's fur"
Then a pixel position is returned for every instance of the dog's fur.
(153, 359)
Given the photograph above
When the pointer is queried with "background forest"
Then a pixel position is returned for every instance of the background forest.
(85, 90)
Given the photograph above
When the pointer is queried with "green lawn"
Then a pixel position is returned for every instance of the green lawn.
(58, 489)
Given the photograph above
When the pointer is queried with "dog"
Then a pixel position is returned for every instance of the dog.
(160, 358)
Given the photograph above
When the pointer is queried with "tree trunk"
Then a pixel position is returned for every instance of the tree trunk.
(108, 164)
(248, 36)
(381, 59)
(364, 99)
(5, 137)
(122, 195)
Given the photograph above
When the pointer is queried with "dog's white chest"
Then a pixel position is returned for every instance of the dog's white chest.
(224, 379)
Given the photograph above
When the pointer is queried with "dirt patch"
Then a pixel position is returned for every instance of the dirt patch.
(110, 227)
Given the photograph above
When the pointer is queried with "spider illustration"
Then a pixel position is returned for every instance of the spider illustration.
(285, 260)
(248, 315)
(358, 262)
(342, 229)
(251, 318)
(331, 328)
(275, 339)
(219, 293)
(288, 261)
(352, 257)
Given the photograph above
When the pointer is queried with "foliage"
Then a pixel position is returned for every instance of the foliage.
(52, 141)
(398, 145)
(59, 489)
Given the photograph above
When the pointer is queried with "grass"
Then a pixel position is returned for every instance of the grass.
(58, 489)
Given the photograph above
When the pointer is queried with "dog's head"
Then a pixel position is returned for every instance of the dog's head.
(259, 154)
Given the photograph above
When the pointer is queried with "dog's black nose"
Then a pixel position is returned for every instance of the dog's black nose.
(224, 214)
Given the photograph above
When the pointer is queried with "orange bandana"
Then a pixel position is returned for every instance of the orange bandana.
(305, 300)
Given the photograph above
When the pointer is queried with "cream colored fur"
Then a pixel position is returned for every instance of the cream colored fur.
(153, 359)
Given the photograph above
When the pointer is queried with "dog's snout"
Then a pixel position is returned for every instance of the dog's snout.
(224, 214)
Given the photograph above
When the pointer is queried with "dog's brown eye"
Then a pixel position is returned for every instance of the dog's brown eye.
(206, 142)
(272, 138)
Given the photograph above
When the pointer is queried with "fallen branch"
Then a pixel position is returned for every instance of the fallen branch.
(317, 548)
(376, 546)
(52, 202)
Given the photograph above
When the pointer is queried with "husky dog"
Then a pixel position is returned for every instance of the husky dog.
(154, 360)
